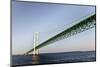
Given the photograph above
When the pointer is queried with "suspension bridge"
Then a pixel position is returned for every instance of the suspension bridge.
(86, 23)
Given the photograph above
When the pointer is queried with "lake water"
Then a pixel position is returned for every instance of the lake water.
(52, 58)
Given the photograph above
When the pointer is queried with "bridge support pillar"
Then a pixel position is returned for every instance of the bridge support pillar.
(36, 42)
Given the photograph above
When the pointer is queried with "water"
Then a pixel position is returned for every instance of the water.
(51, 58)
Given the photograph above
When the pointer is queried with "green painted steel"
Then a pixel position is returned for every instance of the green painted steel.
(83, 25)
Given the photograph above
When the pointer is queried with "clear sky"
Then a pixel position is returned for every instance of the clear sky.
(49, 19)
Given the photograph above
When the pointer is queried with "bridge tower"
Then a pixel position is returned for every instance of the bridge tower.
(36, 43)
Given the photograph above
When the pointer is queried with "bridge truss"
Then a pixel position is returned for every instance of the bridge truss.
(83, 25)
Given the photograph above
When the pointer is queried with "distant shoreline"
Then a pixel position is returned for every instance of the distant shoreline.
(60, 52)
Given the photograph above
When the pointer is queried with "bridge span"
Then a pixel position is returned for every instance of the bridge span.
(84, 24)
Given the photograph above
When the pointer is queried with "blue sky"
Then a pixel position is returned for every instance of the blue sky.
(49, 19)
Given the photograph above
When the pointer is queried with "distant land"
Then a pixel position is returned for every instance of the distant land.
(59, 52)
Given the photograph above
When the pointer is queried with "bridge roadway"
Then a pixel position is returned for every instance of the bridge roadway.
(84, 24)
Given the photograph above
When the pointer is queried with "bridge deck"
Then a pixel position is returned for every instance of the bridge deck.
(83, 25)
